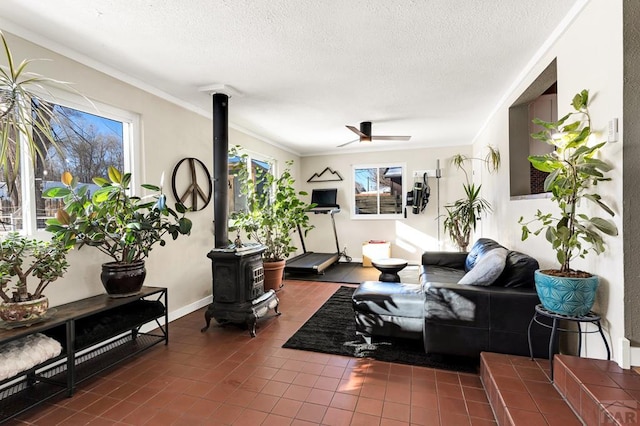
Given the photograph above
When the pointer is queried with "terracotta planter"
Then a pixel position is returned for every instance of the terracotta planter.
(24, 311)
(273, 275)
(123, 279)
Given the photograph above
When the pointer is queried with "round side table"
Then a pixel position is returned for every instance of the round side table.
(590, 317)
(389, 268)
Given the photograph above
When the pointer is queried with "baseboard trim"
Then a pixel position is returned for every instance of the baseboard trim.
(180, 312)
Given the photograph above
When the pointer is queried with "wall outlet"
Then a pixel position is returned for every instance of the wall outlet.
(613, 130)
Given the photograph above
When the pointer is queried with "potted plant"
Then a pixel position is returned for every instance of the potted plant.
(20, 258)
(271, 216)
(463, 214)
(574, 171)
(120, 225)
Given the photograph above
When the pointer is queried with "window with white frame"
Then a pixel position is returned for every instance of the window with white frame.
(378, 191)
(89, 139)
(255, 166)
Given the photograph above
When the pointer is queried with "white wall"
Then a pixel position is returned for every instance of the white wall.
(409, 237)
(169, 133)
(589, 56)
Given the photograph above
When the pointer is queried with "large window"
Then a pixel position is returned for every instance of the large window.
(253, 166)
(378, 191)
(89, 139)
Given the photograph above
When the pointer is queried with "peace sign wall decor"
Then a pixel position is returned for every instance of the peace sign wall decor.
(189, 191)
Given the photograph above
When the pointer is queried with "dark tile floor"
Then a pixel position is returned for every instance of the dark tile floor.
(223, 377)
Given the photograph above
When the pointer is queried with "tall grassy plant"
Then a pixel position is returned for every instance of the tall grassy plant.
(24, 115)
(574, 172)
(462, 215)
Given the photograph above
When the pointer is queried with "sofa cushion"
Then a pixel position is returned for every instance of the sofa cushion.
(487, 268)
(479, 248)
(518, 271)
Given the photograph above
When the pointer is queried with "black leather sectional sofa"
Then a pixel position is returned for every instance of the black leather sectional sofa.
(453, 318)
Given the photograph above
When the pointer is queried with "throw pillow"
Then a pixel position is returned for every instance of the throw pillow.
(487, 269)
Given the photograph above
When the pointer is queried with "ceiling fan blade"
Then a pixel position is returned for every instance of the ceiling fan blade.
(390, 138)
(348, 143)
(357, 131)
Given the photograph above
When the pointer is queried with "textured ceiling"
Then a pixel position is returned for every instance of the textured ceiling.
(432, 69)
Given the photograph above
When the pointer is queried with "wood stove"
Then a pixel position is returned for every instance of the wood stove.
(237, 271)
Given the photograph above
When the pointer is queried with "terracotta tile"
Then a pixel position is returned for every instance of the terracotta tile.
(470, 380)
(254, 384)
(424, 400)
(286, 376)
(337, 417)
(320, 396)
(452, 405)
(454, 419)
(203, 408)
(396, 411)
(332, 371)
(478, 409)
(304, 379)
(373, 391)
(263, 402)
(275, 388)
(227, 413)
(276, 420)
(589, 409)
(369, 406)
(560, 420)
(165, 417)
(100, 406)
(540, 389)
(553, 406)
(511, 384)
(520, 400)
(475, 421)
(391, 422)
(287, 407)
(474, 394)
(344, 401)
(140, 415)
(424, 416)
(595, 377)
(526, 418)
(362, 419)
(626, 381)
(327, 383)
(311, 412)
(297, 392)
(250, 417)
(119, 411)
(449, 390)
(602, 393)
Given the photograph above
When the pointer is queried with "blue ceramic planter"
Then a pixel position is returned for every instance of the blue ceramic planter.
(566, 296)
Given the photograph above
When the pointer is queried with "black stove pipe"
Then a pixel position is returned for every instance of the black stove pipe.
(220, 168)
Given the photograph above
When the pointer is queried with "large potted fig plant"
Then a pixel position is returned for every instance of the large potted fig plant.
(120, 225)
(574, 172)
(20, 258)
(274, 212)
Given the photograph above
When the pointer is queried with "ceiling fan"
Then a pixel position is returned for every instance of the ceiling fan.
(365, 135)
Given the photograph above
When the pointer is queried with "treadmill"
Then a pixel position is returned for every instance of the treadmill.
(311, 262)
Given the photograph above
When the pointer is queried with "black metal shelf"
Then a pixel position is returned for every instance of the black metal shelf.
(85, 356)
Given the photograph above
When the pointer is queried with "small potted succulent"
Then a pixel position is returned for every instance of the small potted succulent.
(574, 171)
(20, 258)
(122, 226)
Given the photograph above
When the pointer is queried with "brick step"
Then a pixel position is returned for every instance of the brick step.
(600, 391)
(521, 393)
